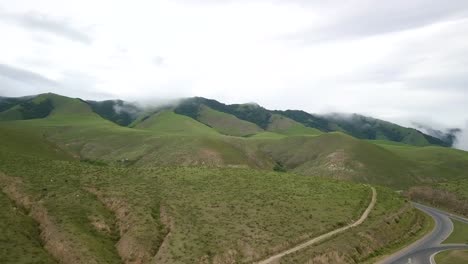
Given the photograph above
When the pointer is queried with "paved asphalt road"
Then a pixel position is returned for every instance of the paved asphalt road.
(422, 251)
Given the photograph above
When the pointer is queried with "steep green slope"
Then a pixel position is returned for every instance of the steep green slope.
(370, 128)
(38, 107)
(286, 126)
(20, 239)
(117, 111)
(249, 112)
(226, 124)
(52, 107)
(168, 122)
(364, 128)
(356, 125)
(341, 156)
(435, 162)
(9, 102)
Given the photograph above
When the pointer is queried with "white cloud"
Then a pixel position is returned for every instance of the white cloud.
(408, 64)
(462, 139)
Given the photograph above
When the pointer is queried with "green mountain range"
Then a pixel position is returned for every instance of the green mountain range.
(199, 131)
(236, 120)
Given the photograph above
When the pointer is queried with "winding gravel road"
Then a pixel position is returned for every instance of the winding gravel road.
(327, 235)
(424, 250)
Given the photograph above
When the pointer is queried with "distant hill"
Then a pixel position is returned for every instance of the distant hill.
(236, 119)
(203, 132)
(168, 122)
(364, 127)
(117, 111)
(355, 125)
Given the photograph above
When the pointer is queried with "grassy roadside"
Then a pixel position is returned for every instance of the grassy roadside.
(427, 227)
(452, 257)
(392, 220)
(459, 234)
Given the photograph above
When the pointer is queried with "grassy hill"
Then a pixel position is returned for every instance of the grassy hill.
(168, 122)
(283, 125)
(38, 107)
(364, 127)
(89, 213)
(117, 111)
(170, 139)
(340, 156)
(252, 113)
(226, 124)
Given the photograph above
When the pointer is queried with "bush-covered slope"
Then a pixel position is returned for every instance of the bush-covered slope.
(168, 122)
(249, 112)
(38, 107)
(110, 214)
(117, 111)
(226, 124)
(364, 128)
(286, 126)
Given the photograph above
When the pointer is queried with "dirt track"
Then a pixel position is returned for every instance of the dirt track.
(327, 235)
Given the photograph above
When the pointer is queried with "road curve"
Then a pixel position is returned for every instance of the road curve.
(423, 250)
(327, 235)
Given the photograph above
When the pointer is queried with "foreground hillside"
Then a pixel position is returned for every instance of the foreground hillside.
(61, 209)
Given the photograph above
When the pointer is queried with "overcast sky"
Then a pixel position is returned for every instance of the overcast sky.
(398, 60)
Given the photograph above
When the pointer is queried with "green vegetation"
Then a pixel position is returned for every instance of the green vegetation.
(391, 223)
(19, 239)
(117, 111)
(365, 128)
(451, 195)
(166, 138)
(452, 257)
(423, 225)
(267, 135)
(168, 122)
(261, 212)
(209, 213)
(252, 113)
(29, 142)
(38, 107)
(437, 164)
(459, 234)
(340, 156)
(8, 102)
(459, 187)
(286, 126)
(226, 124)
